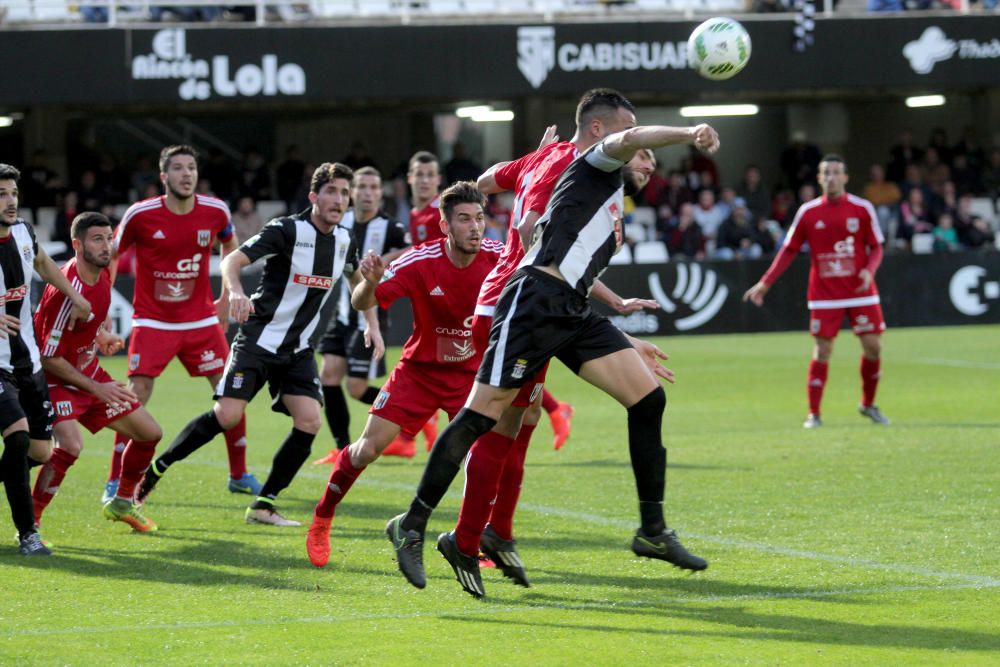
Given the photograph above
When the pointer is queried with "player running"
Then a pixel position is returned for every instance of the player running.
(544, 312)
(845, 246)
(439, 360)
(174, 314)
(306, 254)
(81, 391)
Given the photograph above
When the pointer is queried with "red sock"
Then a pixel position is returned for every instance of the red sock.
(817, 380)
(870, 374)
(482, 478)
(49, 478)
(549, 402)
(341, 480)
(116, 457)
(236, 447)
(502, 518)
(135, 460)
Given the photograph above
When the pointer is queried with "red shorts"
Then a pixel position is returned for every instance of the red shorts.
(203, 351)
(415, 392)
(825, 323)
(85, 408)
(530, 390)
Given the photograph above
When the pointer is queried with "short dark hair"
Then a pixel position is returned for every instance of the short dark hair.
(421, 157)
(85, 221)
(327, 172)
(600, 101)
(462, 192)
(171, 151)
(9, 173)
(833, 157)
(365, 171)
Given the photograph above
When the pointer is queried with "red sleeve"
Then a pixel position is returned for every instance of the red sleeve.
(125, 233)
(396, 283)
(874, 259)
(544, 182)
(789, 249)
(508, 175)
(47, 328)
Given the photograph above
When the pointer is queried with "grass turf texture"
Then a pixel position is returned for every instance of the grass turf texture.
(851, 544)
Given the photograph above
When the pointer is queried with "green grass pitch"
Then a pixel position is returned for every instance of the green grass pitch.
(850, 545)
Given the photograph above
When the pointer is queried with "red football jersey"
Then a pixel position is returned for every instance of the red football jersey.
(842, 234)
(172, 286)
(78, 346)
(443, 297)
(425, 223)
(532, 178)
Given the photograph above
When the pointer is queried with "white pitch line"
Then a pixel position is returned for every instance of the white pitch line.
(491, 611)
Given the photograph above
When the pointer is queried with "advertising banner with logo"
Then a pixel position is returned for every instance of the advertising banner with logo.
(211, 64)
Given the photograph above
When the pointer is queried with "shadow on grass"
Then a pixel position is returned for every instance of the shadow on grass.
(741, 623)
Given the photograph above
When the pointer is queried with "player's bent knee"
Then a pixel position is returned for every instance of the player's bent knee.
(533, 414)
(650, 406)
(308, 423)
(41, 450)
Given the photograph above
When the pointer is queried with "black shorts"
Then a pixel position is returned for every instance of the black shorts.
(539, 317)
(247, 372)
(25, 394)
(341, 341)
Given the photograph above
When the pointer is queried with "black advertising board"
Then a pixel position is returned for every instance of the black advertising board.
(202, 64)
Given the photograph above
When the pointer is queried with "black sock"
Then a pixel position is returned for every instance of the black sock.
(649, 458)
(32, 463)
(371, 393)
(14, 469)
(199, 431)
(450, 449)
(337, 416)
(290, 456)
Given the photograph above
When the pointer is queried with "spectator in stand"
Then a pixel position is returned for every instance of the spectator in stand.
(39, 184)
(806, 193)
(727, 198)
(677, 192)
(970, 147)
(781, 207)
(112, 180)
(948, 202)
(64, 219)
(460, 167)
(964, 177)
(217, 170)
(990, 175)
(254, 178)
(654, 189)
(709, 214)
(963, 217)
(289, 176)
(765, 234)
(945, 236)
(915, 179)
(707, 181)
(753, 192)
(735, 238)
(885, 6)
(301, 202)
(358, 157)
(980, 236)
(903, 155)
(143, 175)
(884, 196)
(185, 14)
(936, 172)
(939, 142)
(799, 161)
(702, 163)
(246, 220)
(91, 196)
(768, 6)
(684, 237)
(914, 216)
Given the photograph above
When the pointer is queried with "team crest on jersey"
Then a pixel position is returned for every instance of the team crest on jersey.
(519, 368)
(814, 326)
(27, 253)
(64, 408)
(237, 380)
(204, 237)
(133, 362)
(380, 400)
(853, 225)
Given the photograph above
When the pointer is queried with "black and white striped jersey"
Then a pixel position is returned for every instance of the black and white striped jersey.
(582, 227)
(300, 272)
(17, 256)
(381, 234)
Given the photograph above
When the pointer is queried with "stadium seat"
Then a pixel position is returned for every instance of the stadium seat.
(984, 208)
(623, 256)
(635, 232)
(27, 215)
(449, 6)
(46, 220)
(645, 216)
(333, 8)
(268, 209)
(650, 252)
(922, 244)
(37, 10)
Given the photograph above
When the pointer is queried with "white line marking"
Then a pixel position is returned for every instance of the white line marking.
(490, 611)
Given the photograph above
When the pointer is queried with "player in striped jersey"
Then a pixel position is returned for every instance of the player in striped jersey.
(439, 360)
(80, 390)
(174, 314)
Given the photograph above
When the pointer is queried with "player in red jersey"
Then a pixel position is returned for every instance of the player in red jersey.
(80, 390)
(845, 244)
(174, 314)
(496, 462)
(424, 177)
(439, 361)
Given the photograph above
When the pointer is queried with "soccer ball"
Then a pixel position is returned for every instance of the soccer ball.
(719, 48)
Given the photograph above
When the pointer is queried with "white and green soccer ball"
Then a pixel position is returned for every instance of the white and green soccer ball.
(719, 48)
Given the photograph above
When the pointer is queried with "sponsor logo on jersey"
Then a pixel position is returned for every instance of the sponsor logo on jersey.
(321, 282)
(520, 366)
(133, 362)
(820, 224)
(204, 237)
(448, 331)
(159, 235)
(380, 400)
(210, 362)
(853, 225)
(463, 350)
(14, 294)
(64, 408)
(304, 244)
(437, 291)
(188, 268)
(112, 411)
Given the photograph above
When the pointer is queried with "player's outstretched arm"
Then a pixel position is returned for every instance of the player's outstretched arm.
(240, 307)
(487, 182)
(623, 145)
(756, 294)
(51, 274)
(222, 303)
(373, 333)
(608, 297)
(365, 280)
